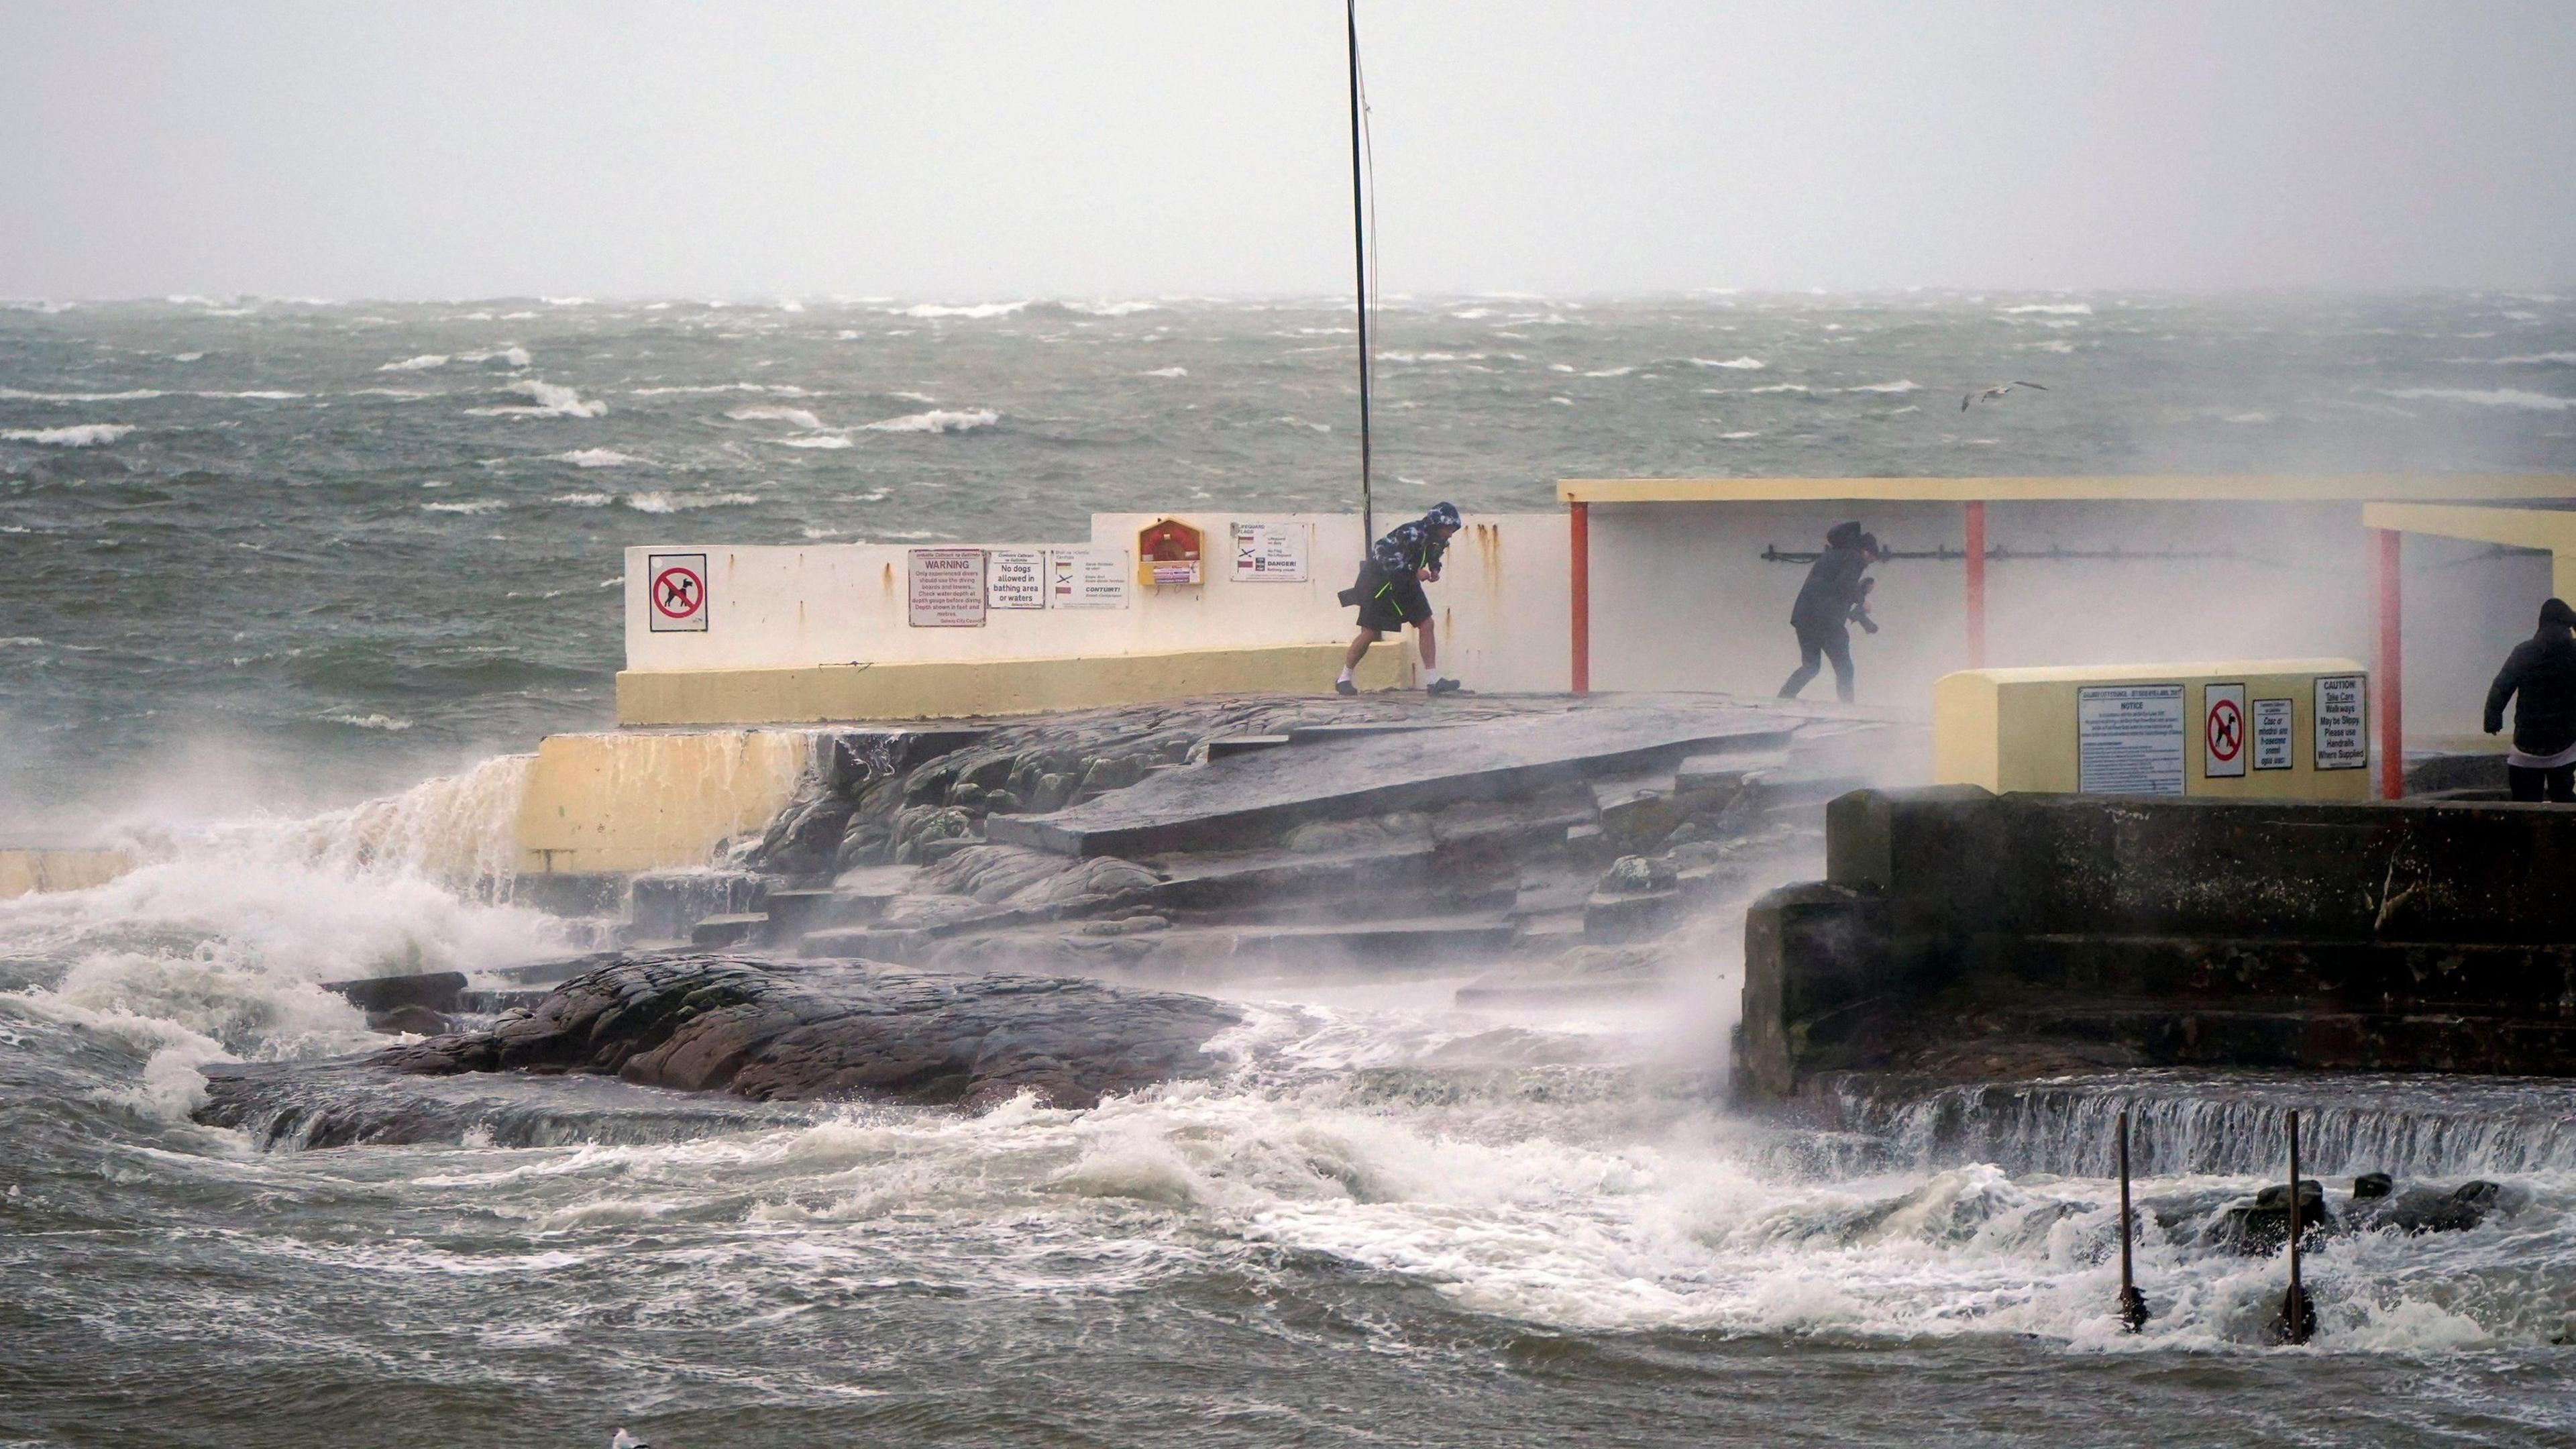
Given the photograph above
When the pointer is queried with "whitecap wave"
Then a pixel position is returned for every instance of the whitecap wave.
(774, 414)
(972, 311)
(385, 722)
(2050, 309)
(1746, 364)
(659, 502)
(1901, 385)
(937, 420)
(546, 400)
(423, 363)
(826, 441)
(595, 458)
(585, 500)
(469, 507)
(80, 435)
(1166, 372)
(2498, 397)
(1112, 309)
(130, 395)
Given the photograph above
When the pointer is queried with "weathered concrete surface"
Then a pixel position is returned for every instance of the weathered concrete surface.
(1963, 934)
(819, 1031)
(1227, 800)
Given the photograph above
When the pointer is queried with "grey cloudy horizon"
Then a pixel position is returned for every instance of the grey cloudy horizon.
(1153, 148)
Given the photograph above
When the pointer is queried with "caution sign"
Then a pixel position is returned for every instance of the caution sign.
(944, 587)
(1270, 553)
(675, 593)
(2225, 739)
(2275, 733)
(2343, 726)
(2129, 739)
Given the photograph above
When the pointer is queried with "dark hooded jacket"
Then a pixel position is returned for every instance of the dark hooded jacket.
(1833, 582)
(1411, 546)
(2542, 671)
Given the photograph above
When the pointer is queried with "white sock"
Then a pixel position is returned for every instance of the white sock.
(1345, 677)
(1430, 676)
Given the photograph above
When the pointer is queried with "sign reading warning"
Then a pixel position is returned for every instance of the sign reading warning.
(675, 593)
(944, 587)
(2129, 739)
(2343, 727)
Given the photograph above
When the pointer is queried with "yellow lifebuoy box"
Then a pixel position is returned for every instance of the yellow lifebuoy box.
(2289, 729)
(1167, 554)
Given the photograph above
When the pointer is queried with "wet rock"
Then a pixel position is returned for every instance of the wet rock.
(2428, 1209)
(1050, 793)
(806, 838)
(2264, 1228)
(1638, 875)
(2372, 1185)
(411, 1020)
(1370, 833)
(379, 995)
(834, 1031)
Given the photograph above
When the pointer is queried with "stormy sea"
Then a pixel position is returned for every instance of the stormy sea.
(291, 588)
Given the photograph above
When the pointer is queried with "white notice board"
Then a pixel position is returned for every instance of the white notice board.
(2343, 729)
(1015, 578)
(2223, 731)
(1086, 578)
(2128, 739)
(944, 587)
(2274, 734)
(1271, 553)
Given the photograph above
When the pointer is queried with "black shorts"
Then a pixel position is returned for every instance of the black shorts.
(1391, 603)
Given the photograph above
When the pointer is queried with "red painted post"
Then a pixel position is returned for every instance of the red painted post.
(1578, 523)
(1977, 584)
(2388, 666)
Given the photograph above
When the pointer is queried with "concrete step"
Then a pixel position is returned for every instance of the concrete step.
(1218, 749)
(1249, 878)
(793, 912)
(665, 904)
(1416, 942)
(730, 929)
(869, 943)
(1611, 919)
(1242, 800)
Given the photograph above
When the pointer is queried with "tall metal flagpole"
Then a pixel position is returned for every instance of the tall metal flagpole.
(1359, 248)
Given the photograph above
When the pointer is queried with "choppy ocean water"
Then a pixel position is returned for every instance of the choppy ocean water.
(288, 581)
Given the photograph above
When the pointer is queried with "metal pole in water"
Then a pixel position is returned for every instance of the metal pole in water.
(2298, 1316)
(2133, 1304)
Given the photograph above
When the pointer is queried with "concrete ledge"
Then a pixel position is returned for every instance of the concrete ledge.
(614, 803)
(27, 872)
(972, 688)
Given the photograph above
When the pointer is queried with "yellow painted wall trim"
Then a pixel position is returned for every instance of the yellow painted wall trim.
(959, 689)
(618, 802)
(26, 872)
(2243, 488)
(2016, 729)
(2552, 529)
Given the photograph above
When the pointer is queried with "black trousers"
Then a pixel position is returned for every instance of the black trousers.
(2558, 785)
(1815, 646)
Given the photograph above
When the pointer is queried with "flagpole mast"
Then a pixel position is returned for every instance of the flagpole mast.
(1359, 249)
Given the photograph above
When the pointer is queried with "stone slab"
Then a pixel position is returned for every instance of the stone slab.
(1235, 801)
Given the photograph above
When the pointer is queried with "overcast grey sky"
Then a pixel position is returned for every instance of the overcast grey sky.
(1158, 147)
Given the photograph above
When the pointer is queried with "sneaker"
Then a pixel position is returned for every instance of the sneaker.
(1442, 686)
(1344, 686)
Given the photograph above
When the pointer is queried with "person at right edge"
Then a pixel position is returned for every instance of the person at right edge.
(1834, 597)
(2542, 670)
(1389, 593)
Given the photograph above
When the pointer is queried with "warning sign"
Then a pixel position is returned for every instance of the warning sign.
(2343, 726)
(675, 593)
(1087, 578)
(2275, 734)
(2223, 733)
(944, 587)
(2129, 739)
(1270, 553)
(1015, 578)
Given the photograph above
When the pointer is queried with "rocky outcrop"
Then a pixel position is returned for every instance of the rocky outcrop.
(814, 1032)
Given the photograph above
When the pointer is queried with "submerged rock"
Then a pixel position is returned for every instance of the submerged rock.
(825, 1031)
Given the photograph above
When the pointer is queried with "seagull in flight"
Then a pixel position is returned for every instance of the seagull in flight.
(1998, 390)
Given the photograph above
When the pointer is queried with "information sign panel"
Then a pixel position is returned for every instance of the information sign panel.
(1087, 578)
(1270, 553)
(1015, 578)
(2275, 737)
(944, 587)
(2223, 731)
(2129, 739)
(2343, 728)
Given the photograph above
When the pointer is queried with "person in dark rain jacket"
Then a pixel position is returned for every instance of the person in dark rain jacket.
(1834, 597)
(1389, 594)
(2542, 672)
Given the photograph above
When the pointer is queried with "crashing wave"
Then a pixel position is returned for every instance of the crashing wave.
(937, 420)
(80, 435)
(595, 458)
(546, 400)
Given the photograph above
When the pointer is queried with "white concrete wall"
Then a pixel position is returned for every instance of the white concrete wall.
(1502, 596)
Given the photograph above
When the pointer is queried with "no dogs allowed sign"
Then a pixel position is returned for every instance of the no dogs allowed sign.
(2225, 738)
(675, 593)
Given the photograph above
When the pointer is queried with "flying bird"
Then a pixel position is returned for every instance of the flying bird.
(1998, 390)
